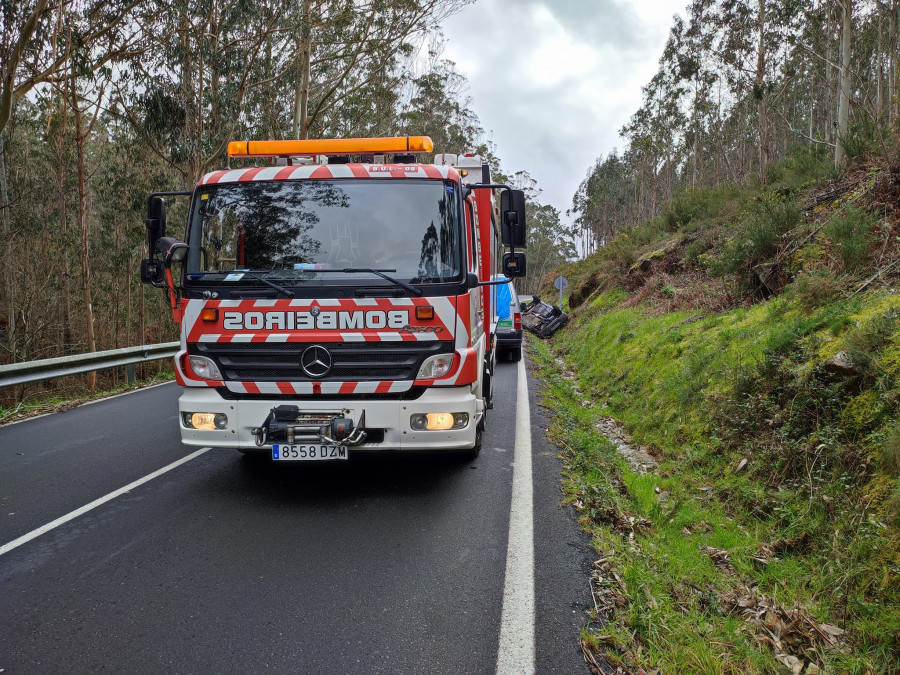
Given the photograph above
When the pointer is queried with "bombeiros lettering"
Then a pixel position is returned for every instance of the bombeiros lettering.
(377, 319)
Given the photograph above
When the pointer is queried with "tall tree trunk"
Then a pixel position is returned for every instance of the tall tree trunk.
(10, 255)
(829, 100)
(61, 172)
(879, 76)
(893, 74)
(844, 106)
(761, 94)
(301, 91)
(83, 221)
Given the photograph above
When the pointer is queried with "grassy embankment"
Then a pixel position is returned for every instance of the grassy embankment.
(735, 338)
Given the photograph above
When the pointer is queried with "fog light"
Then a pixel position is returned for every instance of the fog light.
(460, 420)
(438, 421)
(205, 421)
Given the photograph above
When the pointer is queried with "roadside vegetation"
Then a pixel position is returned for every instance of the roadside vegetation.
(746, 341)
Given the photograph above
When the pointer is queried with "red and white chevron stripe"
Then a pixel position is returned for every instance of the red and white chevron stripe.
(327, 171)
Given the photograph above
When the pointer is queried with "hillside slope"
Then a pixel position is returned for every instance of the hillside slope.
(749, 341)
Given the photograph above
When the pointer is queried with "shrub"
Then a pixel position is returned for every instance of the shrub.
(759, 235)
(851, 235)
(814, 289)
(863, 343)
(889, 452)
(802, 165)
(698, 203)
(864, 138)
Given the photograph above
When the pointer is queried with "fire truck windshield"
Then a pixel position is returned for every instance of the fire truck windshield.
(320, 229)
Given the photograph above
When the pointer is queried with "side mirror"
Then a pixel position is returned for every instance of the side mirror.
(172, 250)
(151, 271)
(156, 221)
(512, 215)
(513, 264)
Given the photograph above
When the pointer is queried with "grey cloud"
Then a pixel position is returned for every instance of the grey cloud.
(611, 22)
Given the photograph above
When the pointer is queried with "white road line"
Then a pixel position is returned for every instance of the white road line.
(25, 538)
(516, 652)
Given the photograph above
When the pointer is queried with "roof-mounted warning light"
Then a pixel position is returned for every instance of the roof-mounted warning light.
(334, 146)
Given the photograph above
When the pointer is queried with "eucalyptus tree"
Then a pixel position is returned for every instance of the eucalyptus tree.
(56, 42)
(550, 244)
(348, 46)
(188, 92)
(843, 119)
(600, 204)
(44, 44)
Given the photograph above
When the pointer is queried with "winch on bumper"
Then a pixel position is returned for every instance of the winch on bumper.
(387, 423)
(286, 424)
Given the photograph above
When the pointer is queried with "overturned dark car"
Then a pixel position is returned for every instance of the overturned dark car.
(542, 319)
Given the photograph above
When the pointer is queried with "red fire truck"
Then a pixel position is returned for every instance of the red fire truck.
(336, 297)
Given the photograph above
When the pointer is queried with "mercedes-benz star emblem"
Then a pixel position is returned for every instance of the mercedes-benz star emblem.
(316, 361)
(315, 311)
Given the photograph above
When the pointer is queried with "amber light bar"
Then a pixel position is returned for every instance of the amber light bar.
(332, 146)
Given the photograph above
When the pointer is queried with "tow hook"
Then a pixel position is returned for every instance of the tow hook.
(287, 424)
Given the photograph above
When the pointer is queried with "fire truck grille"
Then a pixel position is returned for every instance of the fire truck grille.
(352, 361)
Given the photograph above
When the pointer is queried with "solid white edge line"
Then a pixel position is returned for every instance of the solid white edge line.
(516, 653)
(25, 538)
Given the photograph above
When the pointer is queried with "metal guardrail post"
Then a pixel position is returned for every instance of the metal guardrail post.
(48, 369)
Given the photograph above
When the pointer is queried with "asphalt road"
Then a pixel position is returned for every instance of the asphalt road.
(385, 564)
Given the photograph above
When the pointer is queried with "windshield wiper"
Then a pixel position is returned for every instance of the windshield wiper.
(380, 273)
(249, 275)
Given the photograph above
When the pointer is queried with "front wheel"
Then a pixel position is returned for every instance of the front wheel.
(487, 388)
(473, 453)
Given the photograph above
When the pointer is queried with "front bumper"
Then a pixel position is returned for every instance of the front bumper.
(391, 416)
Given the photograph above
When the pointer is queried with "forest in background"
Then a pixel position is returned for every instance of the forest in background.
(743, 84)
(104, 102)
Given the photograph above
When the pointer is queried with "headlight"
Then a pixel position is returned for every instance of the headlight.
(438, 421)
(205, 421)
(205, 368)
(435, 366)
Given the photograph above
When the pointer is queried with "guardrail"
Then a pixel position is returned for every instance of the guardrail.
(47, 369)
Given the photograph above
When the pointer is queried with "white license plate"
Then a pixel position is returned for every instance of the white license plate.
(308, 452)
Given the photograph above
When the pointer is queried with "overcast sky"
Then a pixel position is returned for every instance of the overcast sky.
(553, 81)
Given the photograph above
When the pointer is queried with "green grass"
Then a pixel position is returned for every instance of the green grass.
(703, 395)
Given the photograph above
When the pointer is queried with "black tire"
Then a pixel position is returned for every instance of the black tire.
(515, 354)
(479, 437)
